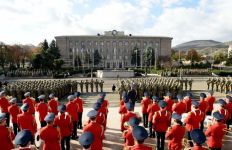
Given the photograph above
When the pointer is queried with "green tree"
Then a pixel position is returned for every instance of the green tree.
(4, 53)
(135, 56)
(229, 59)
(37, 61)
(193, 56)
(219, 57)
(97, 57)
(149, 56)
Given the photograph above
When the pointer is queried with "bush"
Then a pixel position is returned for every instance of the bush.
(223, 73)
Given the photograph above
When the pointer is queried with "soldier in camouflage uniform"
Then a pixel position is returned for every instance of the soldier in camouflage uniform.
(81, 86)
(87, 86)
(96, 85)
(101, 85)
(91, 85)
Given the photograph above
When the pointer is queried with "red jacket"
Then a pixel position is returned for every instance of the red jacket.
(105, 106)
(126, 117)
(98, 132)
(4, 104)
(79, 102)
(122, 107)
(229, 107)
(215, 134)
(188, 102)
(199, 148)
(42, 109)
(127, 135)
(145, 102)
(169, 102)
(161, 120)
(175, 136)
(14, 110)
(64, 122)
(179, 107)
(52, 106)
(72, 110)
(27, 121)
(224, 112)
(51, 137)
(140, 147)
(203, 105)
(6, 138)
(193, 119)
(31, 104)
(210, 100)
(152, 108)
(101, 119)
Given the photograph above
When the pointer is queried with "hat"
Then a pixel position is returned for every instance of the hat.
(49, 117)
(27, 94)
(86, 138)
(52, 95)
(42, 97)
(229, 97)
(103, 94)
(176, 116)
(62, 108)
(96, 106)
(139, 133)
(100, 100)
(179, 96)
(2, 93)
(77, 94)
(130, 106)
(162, 104)
(13, 100)
(25, 107)
(145, 94)
(189, 95)
(195, 103)
(155, 98)
(23, 137)
(198, 136)
(218, 116)
(70, 97)
(168, 94)
(92, 114)
(134, 122)
(222, 102)
(203, 95)
(2, 116)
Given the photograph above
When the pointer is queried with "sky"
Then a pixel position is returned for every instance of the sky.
(32, 21)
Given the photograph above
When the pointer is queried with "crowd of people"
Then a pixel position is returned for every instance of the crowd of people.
(161, 118)
(184, 72)
(220, 84)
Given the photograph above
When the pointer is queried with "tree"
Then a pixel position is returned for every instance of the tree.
(149, 56)
(37, 61)
(135, 56)
(58, 63)
(193, 56)
(229, 59)
(97, 57)
(219, 57)
(3, 56)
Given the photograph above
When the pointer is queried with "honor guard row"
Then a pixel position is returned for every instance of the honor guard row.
(220, 84)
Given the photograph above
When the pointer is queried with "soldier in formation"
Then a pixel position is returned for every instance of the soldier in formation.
(187, 72)
(220, 84)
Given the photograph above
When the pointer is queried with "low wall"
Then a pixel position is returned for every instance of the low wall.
(115, 73)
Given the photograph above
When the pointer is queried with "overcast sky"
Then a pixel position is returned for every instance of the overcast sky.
(31, 21)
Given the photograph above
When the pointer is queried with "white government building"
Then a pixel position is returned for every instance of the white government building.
(115, 48)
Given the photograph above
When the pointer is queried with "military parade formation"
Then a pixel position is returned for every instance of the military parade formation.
(185, 72)
(220, 84)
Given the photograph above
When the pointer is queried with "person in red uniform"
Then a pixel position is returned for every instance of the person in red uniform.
(161, 122)
(53, 104)
(176, 133)
(122, 107)
(169, 101)
(210, 99)
(215, 132)
(14, 111)
(198, 137)
(193, 119)
(4, 104)
(23, 139)
(50, 134)
(152, 108)
(105, 102)
(79, 102)
(203, 106)
(6, 134)
(72, 110)
(127, 134)
(130, 114)
(140, 134)
(229, 108)
(145, 103)
(31, 102)
(27, 121)
(101, 118)
(42, 109)
(86, 140)
(188, 101)
(96, 129)
(223, 111)
(64, 122)
(180, 107)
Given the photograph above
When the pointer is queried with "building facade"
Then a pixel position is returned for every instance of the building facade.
(229, 51)
(114, 47)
